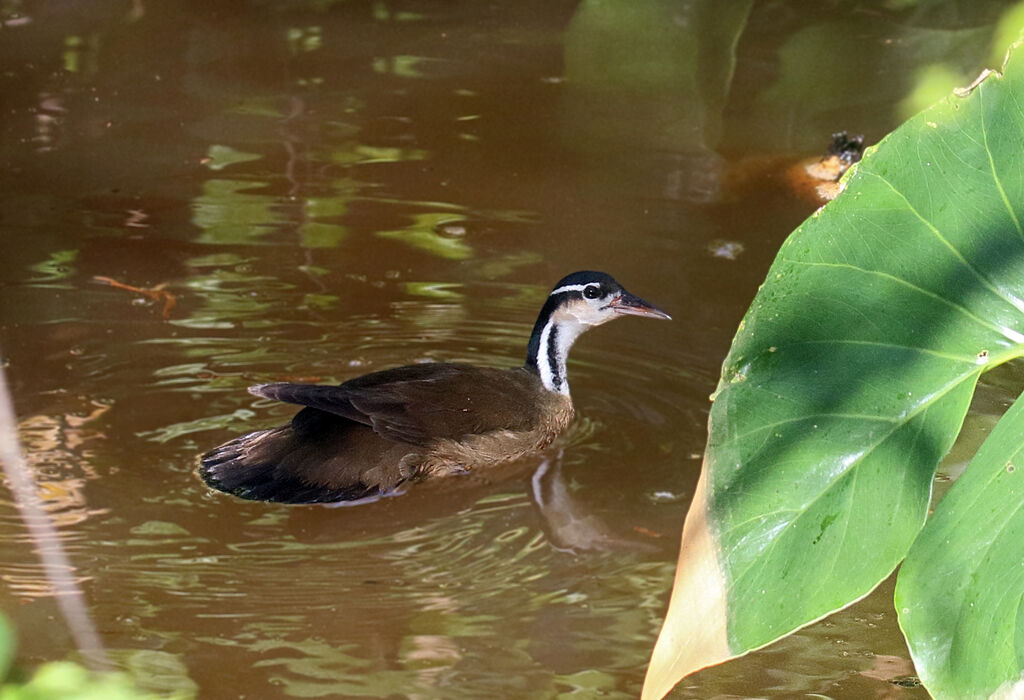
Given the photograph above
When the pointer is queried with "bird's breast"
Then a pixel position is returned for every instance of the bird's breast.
(446, 456)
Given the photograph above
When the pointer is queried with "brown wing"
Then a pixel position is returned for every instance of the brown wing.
(318, 458)
(420, 403)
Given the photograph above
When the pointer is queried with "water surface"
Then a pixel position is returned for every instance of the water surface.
(330, 188)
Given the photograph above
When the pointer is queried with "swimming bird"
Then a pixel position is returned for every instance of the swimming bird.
(370, 435)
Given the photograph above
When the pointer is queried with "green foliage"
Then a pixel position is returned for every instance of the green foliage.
(845, 386)
(1006, 32)
(959, 591)
(61, 680)
(64, 680)
(856, 363)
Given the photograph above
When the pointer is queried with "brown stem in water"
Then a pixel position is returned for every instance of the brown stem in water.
(56, 565)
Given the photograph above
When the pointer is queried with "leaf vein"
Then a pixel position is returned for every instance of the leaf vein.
(892, 346)
(1009, 334)
(853, 464)
(995, 174)
(983, 279)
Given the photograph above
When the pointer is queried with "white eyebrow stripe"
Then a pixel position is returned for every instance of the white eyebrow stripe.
(572, 288)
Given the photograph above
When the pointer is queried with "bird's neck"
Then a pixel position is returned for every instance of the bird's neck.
(548, 350)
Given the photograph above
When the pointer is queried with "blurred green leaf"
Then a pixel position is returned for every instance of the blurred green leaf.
(1007, 30)
(64, 680)
(832, 74)
(8, 646)
(931, 83)
(651, 74)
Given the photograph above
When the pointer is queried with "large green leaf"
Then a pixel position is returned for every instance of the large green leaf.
(959, 592)
(849, 379)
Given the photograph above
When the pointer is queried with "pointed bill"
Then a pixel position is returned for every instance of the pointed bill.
(633, 305)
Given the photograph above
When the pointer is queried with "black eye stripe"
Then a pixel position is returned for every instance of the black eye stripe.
(592, 291)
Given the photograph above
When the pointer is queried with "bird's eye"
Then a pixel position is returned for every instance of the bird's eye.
(592, 291)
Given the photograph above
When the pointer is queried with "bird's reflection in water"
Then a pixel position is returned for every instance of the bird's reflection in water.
(566, 521)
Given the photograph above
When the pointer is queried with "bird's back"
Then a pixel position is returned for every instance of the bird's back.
(370, 434)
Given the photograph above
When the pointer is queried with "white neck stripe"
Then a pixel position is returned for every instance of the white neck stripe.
(572, 288)
(547, 372)
(556, 338)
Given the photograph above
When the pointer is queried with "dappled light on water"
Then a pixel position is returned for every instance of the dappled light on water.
(197, 198)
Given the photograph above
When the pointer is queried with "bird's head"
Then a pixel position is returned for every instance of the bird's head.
(577, 303)
(592, 298)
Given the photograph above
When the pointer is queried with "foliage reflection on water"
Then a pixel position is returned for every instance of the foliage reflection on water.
(330, 188)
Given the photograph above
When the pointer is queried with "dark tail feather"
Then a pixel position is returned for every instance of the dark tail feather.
(259, 467)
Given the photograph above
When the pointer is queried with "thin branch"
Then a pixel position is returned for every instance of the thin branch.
(56, 565)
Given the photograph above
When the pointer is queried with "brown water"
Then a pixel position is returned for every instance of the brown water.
(328, 188)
